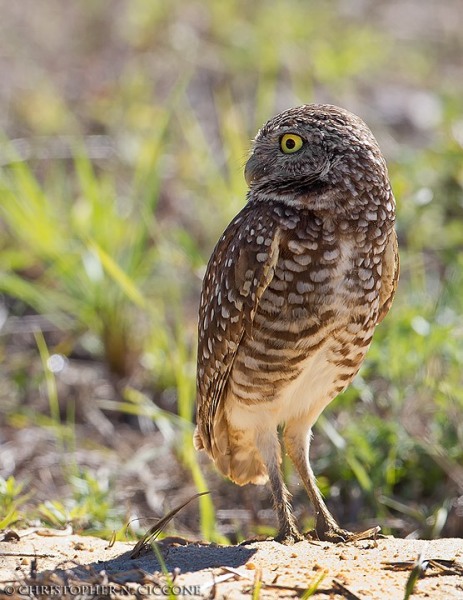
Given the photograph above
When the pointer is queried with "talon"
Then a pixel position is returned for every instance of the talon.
(288, 538)
(336, 535)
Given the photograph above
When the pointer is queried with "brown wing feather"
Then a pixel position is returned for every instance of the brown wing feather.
(239, 271)
(389, 277)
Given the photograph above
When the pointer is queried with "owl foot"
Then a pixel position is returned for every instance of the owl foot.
(289, 536)
(337, 535)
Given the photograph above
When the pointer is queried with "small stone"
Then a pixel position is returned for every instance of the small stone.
(79, 546)
(11, 536)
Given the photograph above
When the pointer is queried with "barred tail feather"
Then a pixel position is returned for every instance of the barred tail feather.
(233, 452)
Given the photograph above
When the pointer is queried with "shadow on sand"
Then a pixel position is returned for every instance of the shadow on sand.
(187, 558)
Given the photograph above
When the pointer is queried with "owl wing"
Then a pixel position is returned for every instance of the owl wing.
(239, 270)
(389, 277)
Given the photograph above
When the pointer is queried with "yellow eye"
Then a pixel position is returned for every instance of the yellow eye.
(290, 143)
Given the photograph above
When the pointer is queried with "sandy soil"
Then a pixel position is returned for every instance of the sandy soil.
(43, 564)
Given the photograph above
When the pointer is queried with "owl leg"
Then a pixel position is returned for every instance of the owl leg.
(269, 448)
(297, 442)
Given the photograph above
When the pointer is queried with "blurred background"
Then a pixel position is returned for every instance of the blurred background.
(124, 128)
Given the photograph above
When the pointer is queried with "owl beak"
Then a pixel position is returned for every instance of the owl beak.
(253, 170)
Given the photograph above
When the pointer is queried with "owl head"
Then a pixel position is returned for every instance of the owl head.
(316, 156)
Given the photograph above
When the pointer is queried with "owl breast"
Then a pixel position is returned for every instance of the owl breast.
(312, 327)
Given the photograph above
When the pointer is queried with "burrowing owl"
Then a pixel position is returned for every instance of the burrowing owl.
(292, 294)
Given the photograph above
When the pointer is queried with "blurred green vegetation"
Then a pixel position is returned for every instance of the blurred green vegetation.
(127, 128)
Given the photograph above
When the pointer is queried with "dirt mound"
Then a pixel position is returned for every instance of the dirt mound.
(43, 564)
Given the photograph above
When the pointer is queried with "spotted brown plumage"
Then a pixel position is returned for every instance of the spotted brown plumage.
(291, 297)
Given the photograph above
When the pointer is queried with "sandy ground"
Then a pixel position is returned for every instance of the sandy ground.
(72, 566)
